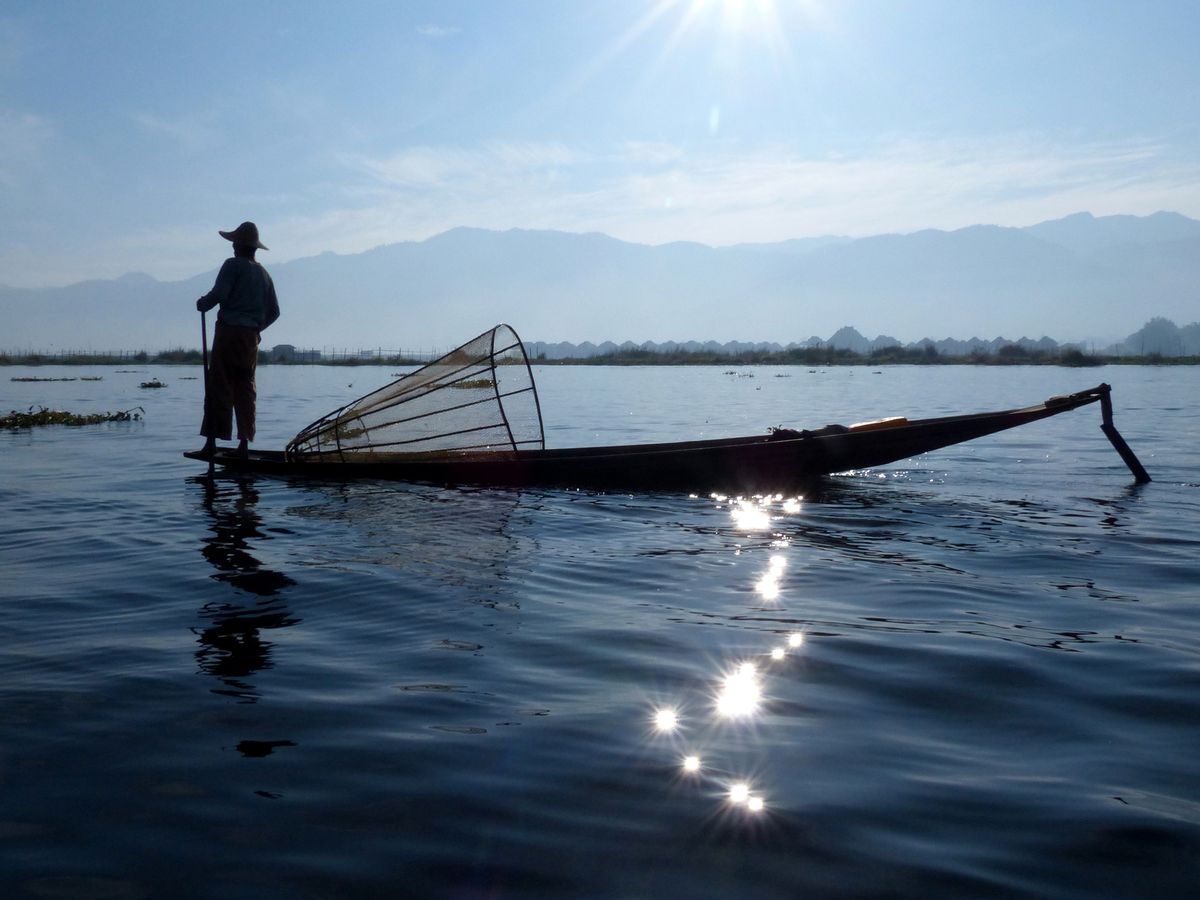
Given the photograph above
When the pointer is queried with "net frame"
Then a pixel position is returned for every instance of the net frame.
(346, 432)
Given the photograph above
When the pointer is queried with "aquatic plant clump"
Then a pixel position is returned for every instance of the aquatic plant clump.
(32, 378)
(17, 420)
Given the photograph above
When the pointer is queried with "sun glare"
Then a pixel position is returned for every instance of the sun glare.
(748, 515)
(666, 720)
(768, 586)
(766, 19)
(740, 693)
(742, 31)
(735, 13)
(739, 792)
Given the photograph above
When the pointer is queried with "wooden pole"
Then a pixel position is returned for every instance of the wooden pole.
(204, 354)
(1140, 475)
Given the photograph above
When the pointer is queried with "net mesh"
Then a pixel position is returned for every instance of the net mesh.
(479, 398)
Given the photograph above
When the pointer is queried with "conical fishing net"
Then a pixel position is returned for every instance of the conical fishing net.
(479, 398)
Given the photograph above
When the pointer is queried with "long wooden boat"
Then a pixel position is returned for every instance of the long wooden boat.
(777, 461)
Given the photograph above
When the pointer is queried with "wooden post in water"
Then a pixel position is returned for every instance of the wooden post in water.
(1140, 475)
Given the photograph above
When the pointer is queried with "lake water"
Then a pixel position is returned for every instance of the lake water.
(973, 674)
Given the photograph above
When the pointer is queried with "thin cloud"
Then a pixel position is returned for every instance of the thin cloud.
(653, 153)
(531, 154)
(23, 139)
(438, 31)
(462, 169)
(417, 167)
(190, 132)
(657, 192)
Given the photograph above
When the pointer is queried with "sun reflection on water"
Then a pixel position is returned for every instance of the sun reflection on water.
(753, 514)
(740, 693)
(750, 515)
(666, 719)
(768, 586)
(739, 696)
(741, 794)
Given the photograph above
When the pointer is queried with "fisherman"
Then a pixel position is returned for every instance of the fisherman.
(246, 295)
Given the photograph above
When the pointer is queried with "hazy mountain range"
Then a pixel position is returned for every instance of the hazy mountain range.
(1080, 278)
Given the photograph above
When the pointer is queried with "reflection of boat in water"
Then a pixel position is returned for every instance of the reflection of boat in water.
(476, 541)
(472, 417)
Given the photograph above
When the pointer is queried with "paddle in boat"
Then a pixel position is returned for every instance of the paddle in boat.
(473, 417)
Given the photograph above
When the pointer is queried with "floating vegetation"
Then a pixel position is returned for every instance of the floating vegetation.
(187, 377)
(43, 416)
(153, 383)
(473, 383)
(40, 378)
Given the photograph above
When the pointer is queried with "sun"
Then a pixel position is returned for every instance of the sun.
(768, 25)
(754, 17)
(735, 16)
(740, 7)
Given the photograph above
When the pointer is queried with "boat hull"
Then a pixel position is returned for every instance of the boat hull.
(780, 461)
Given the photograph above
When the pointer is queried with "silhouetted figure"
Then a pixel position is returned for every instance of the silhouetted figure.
(246, 295)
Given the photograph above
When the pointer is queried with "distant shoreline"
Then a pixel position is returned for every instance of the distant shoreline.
(798, 357)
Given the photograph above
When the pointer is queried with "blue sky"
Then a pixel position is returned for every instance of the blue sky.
(131, 131)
